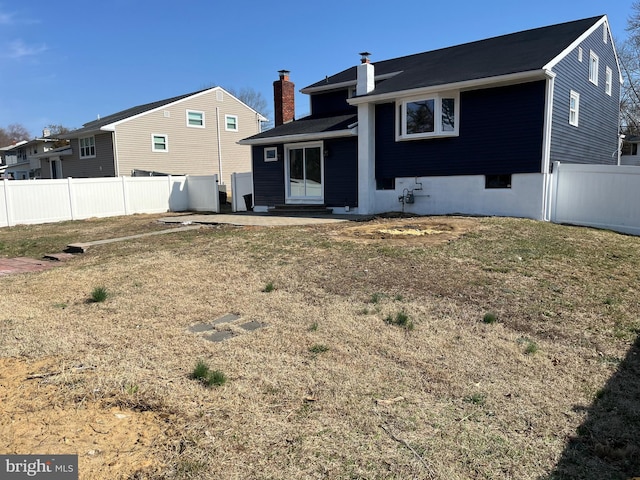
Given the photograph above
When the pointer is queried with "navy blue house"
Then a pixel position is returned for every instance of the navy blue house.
(472, 129)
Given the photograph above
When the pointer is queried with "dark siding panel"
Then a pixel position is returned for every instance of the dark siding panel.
(331, 103)
(501, 132)
(341, 173)
(268, 177)
(595, 140)
(102, 165)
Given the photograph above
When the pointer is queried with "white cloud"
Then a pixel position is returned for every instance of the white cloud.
(19, 49)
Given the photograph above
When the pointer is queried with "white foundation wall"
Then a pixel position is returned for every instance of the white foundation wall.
(466, 195)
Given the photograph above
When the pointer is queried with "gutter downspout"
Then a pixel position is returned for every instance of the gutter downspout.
(546, 146)
(220, 182)
(116, 169)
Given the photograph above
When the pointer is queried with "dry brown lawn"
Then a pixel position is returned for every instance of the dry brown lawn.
(337, 384)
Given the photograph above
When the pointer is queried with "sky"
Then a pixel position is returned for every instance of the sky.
(66, 62)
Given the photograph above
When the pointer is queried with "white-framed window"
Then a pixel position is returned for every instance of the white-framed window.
(580, 54)
(88, 147)
(594, 63)
(574, 108)
(159, 142)
(195, 118)
(605, 36)
(428, 116)
(271, 154)
(608, 81)
(231, 123)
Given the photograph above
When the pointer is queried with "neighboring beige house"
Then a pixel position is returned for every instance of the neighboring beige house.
(629, 154)
(192, 134)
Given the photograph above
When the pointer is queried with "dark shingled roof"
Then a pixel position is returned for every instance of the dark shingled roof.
(309, 125)
(517, 52)
(525, 51)
(95, 125)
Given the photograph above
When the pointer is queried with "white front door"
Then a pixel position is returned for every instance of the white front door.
(304, 173)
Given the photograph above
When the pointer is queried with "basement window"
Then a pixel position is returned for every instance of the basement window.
(497, 181)
(385, 183)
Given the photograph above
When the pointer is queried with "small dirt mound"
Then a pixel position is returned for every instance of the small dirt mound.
(412, 231)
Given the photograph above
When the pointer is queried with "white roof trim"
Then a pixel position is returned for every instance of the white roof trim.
(603, 21)
(303, 137)
(350, 83)
(464, 85)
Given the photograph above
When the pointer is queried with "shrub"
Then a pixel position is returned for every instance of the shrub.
(489, 317)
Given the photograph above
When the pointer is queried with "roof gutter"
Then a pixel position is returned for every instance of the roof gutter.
(303, 137)
(511, 78)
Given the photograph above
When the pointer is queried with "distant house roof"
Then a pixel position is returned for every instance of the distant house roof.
(527, 52)
(97, 125)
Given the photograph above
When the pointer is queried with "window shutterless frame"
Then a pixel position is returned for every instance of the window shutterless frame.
(594, 64)
(87, 147)
(429, 116)
(195, 119)
(231, 123)
(574, 108)
(159, 142)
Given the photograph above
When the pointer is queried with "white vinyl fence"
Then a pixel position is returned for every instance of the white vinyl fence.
(44, 201)
(242, 188)
(601, 196)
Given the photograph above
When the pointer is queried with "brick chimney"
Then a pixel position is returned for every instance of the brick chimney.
(284, 99)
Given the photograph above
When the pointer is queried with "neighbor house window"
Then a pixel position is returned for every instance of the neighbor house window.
(497, 181)
(580, 54)
(608, 80)
(574, 108)
(605, 36)
(159, 143)
(195, 119)
(434, 116)
(87, 147)
(271, 154)
(593, 68)
(231, 123)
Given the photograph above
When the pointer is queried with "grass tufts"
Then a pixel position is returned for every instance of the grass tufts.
(269, 287)
(490, 317)
(401, 319)
(318, 348)
(206, 376)
(99, 294)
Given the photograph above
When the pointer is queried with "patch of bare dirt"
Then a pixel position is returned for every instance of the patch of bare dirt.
(36, 418)
(410, 231)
